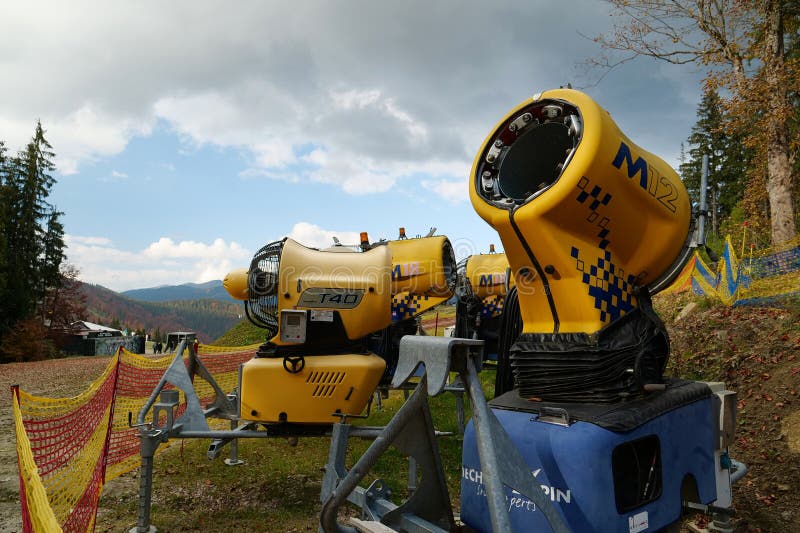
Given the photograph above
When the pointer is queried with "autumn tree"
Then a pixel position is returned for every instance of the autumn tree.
(63, 304)
(746, 48)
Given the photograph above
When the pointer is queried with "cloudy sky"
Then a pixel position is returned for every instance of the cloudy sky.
(189, 134)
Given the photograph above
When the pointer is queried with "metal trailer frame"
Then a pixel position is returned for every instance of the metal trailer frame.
(429, 509)
(192, 424)
(411, 431)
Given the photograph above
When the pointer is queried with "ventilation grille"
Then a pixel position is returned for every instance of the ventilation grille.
(261, 306)
(325, 383)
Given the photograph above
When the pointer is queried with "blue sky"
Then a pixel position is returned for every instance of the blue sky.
(189, 134)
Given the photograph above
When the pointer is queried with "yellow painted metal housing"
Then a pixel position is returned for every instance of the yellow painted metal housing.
(327, 384)
(586, 216)
(418, 266)
(489, 275)
(356, 285)
(423, 274)
(235, 283)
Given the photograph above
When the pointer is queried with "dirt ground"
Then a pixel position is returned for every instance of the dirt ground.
(755, 351)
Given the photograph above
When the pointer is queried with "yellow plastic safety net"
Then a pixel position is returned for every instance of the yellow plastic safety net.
(68, 448)
(760, 278)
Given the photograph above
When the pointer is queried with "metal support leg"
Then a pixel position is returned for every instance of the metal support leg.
(234, 460)
(411, 432)
(462, 419)
(335, 469)
(149, 445)
(412, 463)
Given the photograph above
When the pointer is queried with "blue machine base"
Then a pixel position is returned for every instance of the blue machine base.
(589, 472)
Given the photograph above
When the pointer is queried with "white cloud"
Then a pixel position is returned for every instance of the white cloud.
(454, 192)
(314, 236)
(164, 262)
(352, 99)
(270, 79)
(355, 175)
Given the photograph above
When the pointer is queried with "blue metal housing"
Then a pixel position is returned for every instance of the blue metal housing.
(574, 466)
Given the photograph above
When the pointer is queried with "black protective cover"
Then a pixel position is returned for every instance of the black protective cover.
(605, 367)
(618, 417)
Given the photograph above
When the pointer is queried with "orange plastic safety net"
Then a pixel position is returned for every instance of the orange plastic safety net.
(67, 448)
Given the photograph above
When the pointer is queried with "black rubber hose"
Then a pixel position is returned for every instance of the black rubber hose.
(510, 328)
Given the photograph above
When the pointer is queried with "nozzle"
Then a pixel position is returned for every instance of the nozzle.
(236, 284)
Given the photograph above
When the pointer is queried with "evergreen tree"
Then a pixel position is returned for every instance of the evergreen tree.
(4, 197)
(31, 233)
(52, 256)
(727, 160)
(30, 183)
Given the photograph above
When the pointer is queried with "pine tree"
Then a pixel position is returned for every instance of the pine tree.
(31, 232)
(30, 182)
(52, 256)
(727, 160)
(4, 207)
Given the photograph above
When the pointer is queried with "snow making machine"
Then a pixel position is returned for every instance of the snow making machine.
(483, 283)
(326, 314)
(587, 434)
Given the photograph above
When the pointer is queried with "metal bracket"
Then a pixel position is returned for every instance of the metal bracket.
(553, 415)
(411, 432)
(439, 355)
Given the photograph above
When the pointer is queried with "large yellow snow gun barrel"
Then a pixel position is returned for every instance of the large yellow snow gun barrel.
(587, 218)
(488, 275)
(319, 308)
(424, 274)
(351, 288)
(316, 306)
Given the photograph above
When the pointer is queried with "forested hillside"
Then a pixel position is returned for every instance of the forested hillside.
(208, 318)
(187, 291)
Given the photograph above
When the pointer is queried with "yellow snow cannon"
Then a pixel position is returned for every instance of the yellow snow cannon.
(591, 225)
(586, 216)
(317, 308)
(489, 277)
(423, 274)
(484, 281)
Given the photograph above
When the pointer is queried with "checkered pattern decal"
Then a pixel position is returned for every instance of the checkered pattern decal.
(608, 284)
(405, 305)
(492, 306)
(598, 198)
(611, 289)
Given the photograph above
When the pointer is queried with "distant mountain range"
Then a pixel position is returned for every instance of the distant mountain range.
(201, 308)
(212, 290)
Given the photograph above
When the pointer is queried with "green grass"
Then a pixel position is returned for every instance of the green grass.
(279, 487)
(242, 334)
